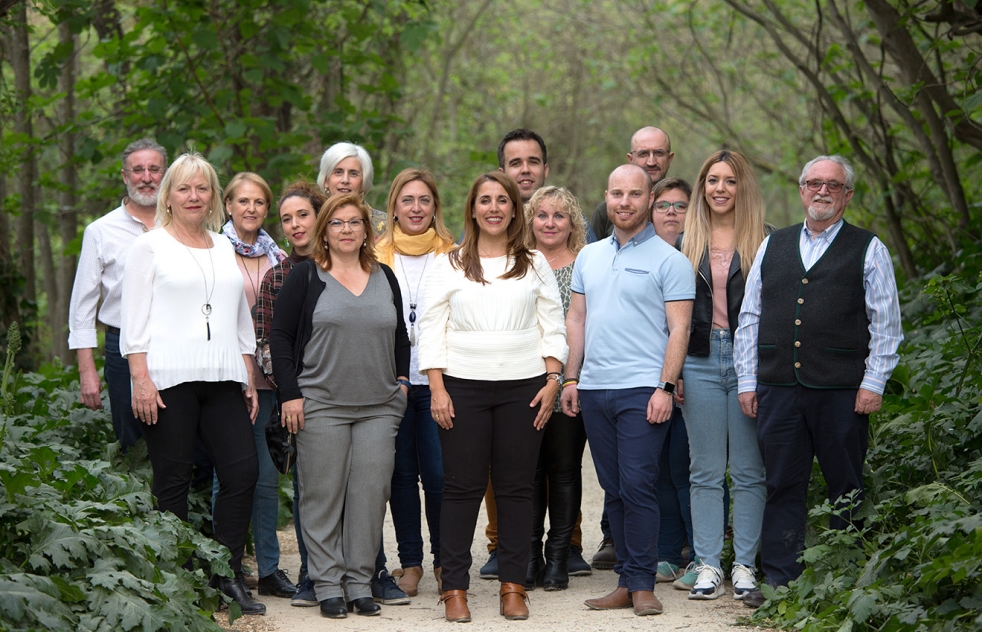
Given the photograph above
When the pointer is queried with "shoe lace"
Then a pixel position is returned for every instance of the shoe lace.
(708, 574)
(742, 573)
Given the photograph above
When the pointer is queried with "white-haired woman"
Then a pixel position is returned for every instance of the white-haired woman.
(188, 336)
(347, 168)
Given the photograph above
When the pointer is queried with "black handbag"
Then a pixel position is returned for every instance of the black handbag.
(282, 443)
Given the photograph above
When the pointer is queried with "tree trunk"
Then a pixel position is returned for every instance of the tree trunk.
(20, 61)
(67, 202)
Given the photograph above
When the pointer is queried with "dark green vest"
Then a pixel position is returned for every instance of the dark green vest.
(813, 326)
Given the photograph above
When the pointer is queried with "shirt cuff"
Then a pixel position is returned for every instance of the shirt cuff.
(873, 383)
(84, 339)
(747, 384)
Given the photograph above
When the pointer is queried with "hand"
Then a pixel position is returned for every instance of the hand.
(570, 400)
(660, 407)
(252, 402)
(867, 402)
(546, 397)
(441, 408)
(145, 400)
(91, 387)
(679, 394)
(291, 415)
(748, 404)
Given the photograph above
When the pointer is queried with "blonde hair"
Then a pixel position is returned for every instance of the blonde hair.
(566, 202)
(749, 225)
(247, 176)
(405, 177)
(185, 167)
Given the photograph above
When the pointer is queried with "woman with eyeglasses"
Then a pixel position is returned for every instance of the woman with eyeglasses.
(340, 356)
(724, 227)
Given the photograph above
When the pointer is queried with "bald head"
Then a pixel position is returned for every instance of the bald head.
(651, 149)
(630, 173)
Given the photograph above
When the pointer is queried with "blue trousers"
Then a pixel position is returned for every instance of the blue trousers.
(626, 450)
(673, 493)
(128, 429)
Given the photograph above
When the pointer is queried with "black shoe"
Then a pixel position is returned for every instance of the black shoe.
(577, 565)
(365, 606)
(386, 590)
(754, 599)
(334, 608)
(533, 574)
(236, 589)
(490, 568)
(555, 575)
(305, 596)
(606, 557)
(277, 584)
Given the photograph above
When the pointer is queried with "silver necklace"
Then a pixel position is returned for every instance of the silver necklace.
(561, 253)
(206, 306)
(413, 299)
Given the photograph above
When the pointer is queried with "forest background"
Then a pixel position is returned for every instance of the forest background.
(265, 86)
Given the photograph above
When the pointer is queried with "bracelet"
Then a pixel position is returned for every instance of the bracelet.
(551, 373)
(570, 381)
(405, 383)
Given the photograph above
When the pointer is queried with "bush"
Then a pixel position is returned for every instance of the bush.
(81, 547)
(916, 564)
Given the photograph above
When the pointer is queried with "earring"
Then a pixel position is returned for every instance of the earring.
(364, 243)
(168, 209)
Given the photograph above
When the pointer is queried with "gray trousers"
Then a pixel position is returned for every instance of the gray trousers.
(345, 459)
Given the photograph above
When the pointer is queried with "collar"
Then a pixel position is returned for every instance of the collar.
(646, 233)
(828, 234)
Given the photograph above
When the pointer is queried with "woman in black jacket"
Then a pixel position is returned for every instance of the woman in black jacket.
(724, 227)
(340, 356)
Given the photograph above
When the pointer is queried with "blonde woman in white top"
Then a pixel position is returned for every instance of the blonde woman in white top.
(188, 336)
(493, 345)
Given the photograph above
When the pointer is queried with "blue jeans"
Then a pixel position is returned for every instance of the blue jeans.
(128, 429)
(626, 451)
(418, 458)
(673, 493)
(265, 500)
(714, 422)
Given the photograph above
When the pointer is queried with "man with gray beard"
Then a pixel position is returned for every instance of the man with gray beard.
(105, 245)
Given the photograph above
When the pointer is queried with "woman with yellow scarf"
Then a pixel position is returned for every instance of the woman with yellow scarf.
(414, 235)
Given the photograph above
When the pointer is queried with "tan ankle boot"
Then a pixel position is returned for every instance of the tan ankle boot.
(409, 579)
(513, 600)
(456, 604)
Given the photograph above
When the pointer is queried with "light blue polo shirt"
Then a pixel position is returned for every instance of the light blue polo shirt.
(626, 288)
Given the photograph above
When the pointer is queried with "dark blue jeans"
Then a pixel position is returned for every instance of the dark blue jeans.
(673, 493)
(116, 370)
(626, 450)
(418, 458)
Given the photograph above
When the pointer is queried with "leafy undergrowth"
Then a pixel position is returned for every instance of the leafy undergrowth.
(916, 564)
(80, 545)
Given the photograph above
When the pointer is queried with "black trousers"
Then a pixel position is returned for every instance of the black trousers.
(215, 413)
(795, 424)
(492, 429)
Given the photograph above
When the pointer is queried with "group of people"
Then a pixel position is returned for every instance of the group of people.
(674, 330)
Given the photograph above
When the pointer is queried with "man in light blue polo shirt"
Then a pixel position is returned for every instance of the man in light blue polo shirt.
(628, 327)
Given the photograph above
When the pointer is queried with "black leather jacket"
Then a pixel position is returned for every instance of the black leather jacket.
(702, 307)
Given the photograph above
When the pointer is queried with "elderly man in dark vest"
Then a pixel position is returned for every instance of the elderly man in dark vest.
(817, 341)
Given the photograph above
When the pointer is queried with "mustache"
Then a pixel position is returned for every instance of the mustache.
(823, 199)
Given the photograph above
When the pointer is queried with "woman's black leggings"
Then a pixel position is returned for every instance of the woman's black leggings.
(216, 413)
(558, 484)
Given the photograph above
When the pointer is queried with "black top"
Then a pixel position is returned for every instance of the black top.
(293, 323)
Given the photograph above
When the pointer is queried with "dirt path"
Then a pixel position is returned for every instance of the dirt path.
(561, 610)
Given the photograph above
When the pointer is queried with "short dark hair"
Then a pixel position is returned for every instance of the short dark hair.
(521, 134)
(667, 184)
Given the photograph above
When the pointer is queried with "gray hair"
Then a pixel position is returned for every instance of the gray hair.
(140, 145)
(338, 152)
(837, 159)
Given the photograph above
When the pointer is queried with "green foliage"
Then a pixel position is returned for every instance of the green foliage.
(80, 544)
(917, 562)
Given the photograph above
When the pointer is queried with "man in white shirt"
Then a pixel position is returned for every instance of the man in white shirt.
(99, 276)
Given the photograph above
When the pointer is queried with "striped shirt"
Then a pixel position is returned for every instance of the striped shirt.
(882, 309)
(105, 244)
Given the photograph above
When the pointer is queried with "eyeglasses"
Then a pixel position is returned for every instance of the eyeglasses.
(831, 185)
(644, 154)
(139, 171)
(680, 207)
(338, 224)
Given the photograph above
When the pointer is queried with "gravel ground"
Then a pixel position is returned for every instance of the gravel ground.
(561, 610)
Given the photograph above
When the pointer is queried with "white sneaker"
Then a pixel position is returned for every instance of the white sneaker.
(709, 584)
(744, 580)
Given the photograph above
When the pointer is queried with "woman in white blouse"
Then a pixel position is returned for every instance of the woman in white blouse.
(188, 336)
(492, 348)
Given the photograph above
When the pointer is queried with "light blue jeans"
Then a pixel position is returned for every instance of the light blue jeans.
(715, 423)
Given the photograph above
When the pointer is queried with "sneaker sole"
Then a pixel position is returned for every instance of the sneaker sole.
(399, 601)
(680, 584)
(581, 573)
(603, 566)
(301, 603)
(740, 595)
(700, 596)
(487, 576)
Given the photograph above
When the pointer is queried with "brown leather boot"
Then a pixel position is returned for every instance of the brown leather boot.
(513, 600)
(438, 576)
(620, 598)
(456, 603)
(409, 579)
(645, 602)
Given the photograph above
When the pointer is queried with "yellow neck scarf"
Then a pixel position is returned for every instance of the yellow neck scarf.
(411, 245)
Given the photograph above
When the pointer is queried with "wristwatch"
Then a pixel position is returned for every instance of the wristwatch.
(668, 387)
(557, 377)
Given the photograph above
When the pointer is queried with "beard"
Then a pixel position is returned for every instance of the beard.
(821, 215)
(142, 199)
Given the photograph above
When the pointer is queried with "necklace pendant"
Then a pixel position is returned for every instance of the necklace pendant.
(412, 314)
(412, 332)
(206, 309)
(208, 327)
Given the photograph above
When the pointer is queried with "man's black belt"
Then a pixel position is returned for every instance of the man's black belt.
(112, 330)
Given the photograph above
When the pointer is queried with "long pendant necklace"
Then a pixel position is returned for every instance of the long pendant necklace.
(206, 307)
(413, 299)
